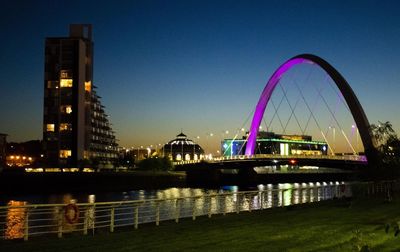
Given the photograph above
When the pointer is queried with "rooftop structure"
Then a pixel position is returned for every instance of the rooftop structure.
(182, 149)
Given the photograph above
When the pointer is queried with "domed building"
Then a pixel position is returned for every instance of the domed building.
(183, 149)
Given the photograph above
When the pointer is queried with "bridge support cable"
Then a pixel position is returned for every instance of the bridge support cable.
(341, 99)
(313, 116)
(337, 122)
(330, 146)
(276, 109)
(291, 108)
(238, 131)
(275, 113)
(302, 96)
(333, 115)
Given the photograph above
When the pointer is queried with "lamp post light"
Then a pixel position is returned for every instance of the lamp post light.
(148, 151)
(172, 156)
(334, 136)
(354, 127)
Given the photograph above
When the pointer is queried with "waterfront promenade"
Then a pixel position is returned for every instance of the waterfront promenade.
(337, 225)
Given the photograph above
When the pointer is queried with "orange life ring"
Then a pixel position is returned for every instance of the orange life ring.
(71, 218)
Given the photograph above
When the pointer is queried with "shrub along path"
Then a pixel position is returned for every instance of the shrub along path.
(326, 226)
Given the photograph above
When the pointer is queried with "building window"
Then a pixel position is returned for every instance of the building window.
(88, 86)
(65, 153)
(187, 157)
(178, 157)
(66, 109)
(50, 127)
(66, 83)
(65, 126)
(52, 84)
(65, 74)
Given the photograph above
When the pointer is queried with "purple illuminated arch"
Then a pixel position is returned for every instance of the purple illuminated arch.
(348, 94)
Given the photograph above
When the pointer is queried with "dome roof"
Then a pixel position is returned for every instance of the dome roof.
(181, 139)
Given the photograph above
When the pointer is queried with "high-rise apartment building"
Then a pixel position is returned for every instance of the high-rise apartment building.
(76, 130)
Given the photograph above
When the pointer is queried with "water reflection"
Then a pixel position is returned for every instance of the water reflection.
(177, 202)
(15, 221)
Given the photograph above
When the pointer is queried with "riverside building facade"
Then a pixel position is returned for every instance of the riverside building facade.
(278, 144)
(182, 149)
(76, 129)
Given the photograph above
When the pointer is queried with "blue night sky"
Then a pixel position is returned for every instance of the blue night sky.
(197, 65)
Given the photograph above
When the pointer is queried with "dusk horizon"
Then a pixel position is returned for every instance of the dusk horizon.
(159, 70)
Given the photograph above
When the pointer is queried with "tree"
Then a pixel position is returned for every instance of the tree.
(383, 133)
(156, 164)
(388, 146)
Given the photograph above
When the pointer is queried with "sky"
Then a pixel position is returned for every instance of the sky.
(196, 66)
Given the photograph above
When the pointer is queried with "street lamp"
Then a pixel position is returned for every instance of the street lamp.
(334, 136)
(357, 133)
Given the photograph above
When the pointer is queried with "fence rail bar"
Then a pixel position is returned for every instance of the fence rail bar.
(38, 219)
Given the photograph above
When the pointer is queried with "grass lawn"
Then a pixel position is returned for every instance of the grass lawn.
(325, 226)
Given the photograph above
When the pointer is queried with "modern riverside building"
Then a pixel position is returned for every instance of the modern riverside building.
(271, 143)
(182, 149)
(76, 130)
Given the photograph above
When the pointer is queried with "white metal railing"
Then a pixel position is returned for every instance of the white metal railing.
(359, 158)
(21, 221)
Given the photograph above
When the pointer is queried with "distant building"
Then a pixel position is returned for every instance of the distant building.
(25, 154)
(76, 129)
(271, 143)
(3, 147)
(182, 149)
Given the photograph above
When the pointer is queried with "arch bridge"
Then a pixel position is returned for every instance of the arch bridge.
(349, 96)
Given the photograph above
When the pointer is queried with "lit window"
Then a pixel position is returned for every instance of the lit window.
(88, 86)
(66, 109)
(178, 157)
(66, 83)
(50, 127)
(65, 153)
(65, 126)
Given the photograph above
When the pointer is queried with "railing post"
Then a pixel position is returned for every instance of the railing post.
(238, 203)
(224, 212)
(136, 217)
(112, 219)
(250, 204)
(209, 208)
(283, 198)
(85, 221)
(177, 210)
(26, 225)
(194, 209)
(60, 222)
(157, 214)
